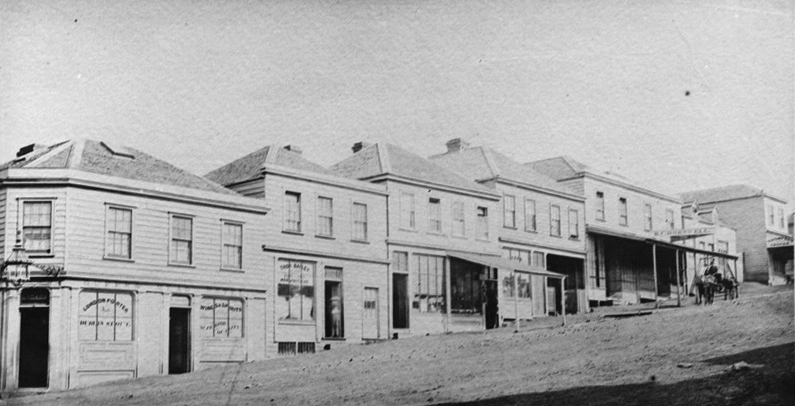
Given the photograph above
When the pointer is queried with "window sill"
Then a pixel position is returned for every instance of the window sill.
(233, 270)
(41, 255)
(333, 339)
(483, 239)
(459, 237)
(531, 231)
(437, 233)
(360, 241)
(555, 236)
(181, 265)
(325, 237)
(509, 227)
(623, 225)
(574, 238)
(410, 230)
(598, 219)
(292, 232)
(297, 322)
(130, 260)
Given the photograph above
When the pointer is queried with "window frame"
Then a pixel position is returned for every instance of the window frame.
(772, 215)
(106, 254)
(600, 205)
(324, 217)
(38, 253)
(171, 239)
(533, 221)
(132, 317)
(287, 210)
(458, 206)
(512, 211)
(648, 217)
(575, 223)
(623, 211)
(781, 223)
(669, 218)
(553, 226)
(355, 221)
(408, 223)
(482, 224)
(224, 266)
(228, 299)
(435, 215)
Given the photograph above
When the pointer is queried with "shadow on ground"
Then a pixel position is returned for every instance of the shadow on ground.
(770, 383)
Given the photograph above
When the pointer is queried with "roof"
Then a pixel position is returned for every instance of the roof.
(388, 159)
(723, 193)
(483, 163)
(565, 167)
(250, 166)
(503, 263)
(107, 159)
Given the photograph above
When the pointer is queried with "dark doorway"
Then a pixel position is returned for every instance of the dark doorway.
(179, 341)
(400, 297)
(490, 303)
(34, 348)
(335, 327)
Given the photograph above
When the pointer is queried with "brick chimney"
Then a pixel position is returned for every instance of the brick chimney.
(29, 148)
(359, 145)
(293, 148)
(456, 144)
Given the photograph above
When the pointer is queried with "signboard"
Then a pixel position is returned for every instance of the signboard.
(684, 233)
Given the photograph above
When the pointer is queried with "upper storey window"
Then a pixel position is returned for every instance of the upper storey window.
(647, 217)
(325, 216)
(669, 218)
(407, 211)
(483, 223)
(600, 206)
(458, 219)
(292, 211)
(510, 211)
(554, 224)
(37, 227)
(530, 223)
(181, 240)
(119, 233)
(360, 221)
(622, 211)
(434, 215)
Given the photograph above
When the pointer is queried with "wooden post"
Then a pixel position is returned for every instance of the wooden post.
(515, 302)
(563, 298)
(654, 259)
(737, 293)
(447, 294)
(678, 284)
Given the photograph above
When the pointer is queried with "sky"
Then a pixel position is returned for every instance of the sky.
(676, 95)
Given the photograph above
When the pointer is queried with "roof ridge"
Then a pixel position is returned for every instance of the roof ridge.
(76, 155)
(383, 158)
(55, 149)
(495, 170)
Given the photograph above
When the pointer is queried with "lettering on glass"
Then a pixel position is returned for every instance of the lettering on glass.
(105, 316)
(296, 288)
(221, 318)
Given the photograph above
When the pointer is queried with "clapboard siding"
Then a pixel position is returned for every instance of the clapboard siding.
(3, 229)
(254, 188)
(59, 209)
(150, 262)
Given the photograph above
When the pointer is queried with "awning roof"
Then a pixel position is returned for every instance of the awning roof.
(666, 244)
(780, 242)
(499, 262)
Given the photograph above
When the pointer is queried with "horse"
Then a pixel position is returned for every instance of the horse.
(708, 284)
(731, 288)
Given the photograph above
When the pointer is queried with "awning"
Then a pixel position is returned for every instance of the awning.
(780, 242)
(691, 249)
(503, 263)
(613, 233)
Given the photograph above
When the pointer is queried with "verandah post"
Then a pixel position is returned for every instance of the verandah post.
(656, 290)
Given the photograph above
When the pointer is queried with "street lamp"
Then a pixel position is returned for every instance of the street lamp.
(16, 268)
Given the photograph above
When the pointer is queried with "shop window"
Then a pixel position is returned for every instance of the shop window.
(507, 285)
(105, 316)
(37, 227)
(429, 294)
(325, 217)
(292, 212)
(538, 259)
(509, 211)
(118, 225)
(181, 250)
(458, 219)
(434, 215)
(530, 215)
(297, 288)
(600, 206)
(622, 211)
(554, 223)
(360, 222)
(407, 211)
(221, 317)
(523, 285)
(483, 223)
(232, 250)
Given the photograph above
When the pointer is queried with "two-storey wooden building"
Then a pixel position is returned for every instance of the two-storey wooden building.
(138, 268)
(542, 224)
(326, 257)
(761, 223)
(442, 238)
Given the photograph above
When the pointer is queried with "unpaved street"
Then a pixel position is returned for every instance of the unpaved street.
(673, 356)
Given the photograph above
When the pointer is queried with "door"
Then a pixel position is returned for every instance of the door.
(34, 348)
(179, 341)
(400, 300)
(334, 312)
(370, 314)
(490, 304)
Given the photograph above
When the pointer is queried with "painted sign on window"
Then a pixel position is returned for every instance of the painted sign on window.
(105, 316)
(221, 318)
(296, 287)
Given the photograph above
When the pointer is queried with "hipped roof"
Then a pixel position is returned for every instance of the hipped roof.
(250, 166)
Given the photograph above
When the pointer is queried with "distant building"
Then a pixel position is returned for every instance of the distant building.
(707, 232)
(629, 229)
(763, 233)
(442, 238)
(139, 268)
(542, 224)
(326, 256)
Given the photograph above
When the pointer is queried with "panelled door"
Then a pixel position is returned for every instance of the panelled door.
(370, 314)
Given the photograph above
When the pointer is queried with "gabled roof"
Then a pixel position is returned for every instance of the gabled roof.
(387, 159)
(565, 167)
(250, 166)
(107, 159)
(719, 194)
(483, 163)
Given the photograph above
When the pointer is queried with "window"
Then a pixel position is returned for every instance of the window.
(574, 223)
(360, 221)
(429, 294)
(647, 217)
(523, 285)
(554, 224)
(622, 211)
(105, 316)
(458, 219)
(538, 259)
(434, 215)
(407, 211)
(529, 215)
(232, 250)
(181, 252)
(118, 223)
(771, 214)
(600, 206)
(325, 217)
(221, 317)
(296, 285)
(669, 218)
(292, 212)
(483, 223)
(781, 218)
(37, 227)
(509, 219)
(400, 289)
(517, 255)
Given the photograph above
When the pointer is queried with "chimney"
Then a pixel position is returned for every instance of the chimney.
(456, 144)
(359, 145)
(28, 149)
(293, 148)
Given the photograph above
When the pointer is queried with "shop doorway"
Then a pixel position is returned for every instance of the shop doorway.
(370, 314)
(178, 341)
(400, 300)
(335, 327)
(490, 308)
(34, 338)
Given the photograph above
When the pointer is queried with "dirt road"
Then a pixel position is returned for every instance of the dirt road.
(671, 357)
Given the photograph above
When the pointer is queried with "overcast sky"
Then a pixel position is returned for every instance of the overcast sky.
(676, 95)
